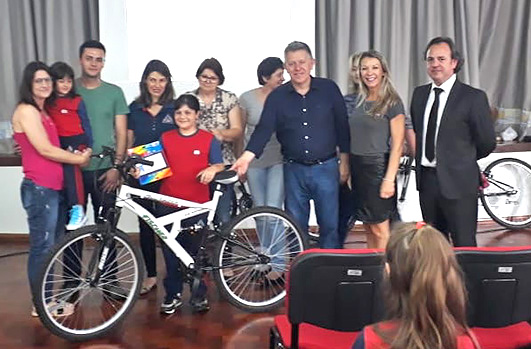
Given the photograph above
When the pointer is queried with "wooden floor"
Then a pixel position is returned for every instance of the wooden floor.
(224, 326)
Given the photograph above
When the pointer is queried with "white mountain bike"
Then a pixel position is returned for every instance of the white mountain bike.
(91, 280)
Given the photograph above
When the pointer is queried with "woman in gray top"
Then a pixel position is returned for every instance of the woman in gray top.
(376, 120)
(265, 175)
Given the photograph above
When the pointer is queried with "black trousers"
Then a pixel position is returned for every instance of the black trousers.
(147, 236)
(98, 197)
(456, 218)
(73, 255)
(73, 179)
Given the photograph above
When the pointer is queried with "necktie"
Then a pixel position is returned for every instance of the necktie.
(432, 126)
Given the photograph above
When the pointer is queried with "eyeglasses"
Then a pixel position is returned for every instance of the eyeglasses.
(40, 81)
(206, 78)
(94, 59)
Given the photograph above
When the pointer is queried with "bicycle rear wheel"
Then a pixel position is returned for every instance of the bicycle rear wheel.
(254, 261)
(70, 302)
(507, 199)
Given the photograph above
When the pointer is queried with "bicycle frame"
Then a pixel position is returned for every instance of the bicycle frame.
(193, 209)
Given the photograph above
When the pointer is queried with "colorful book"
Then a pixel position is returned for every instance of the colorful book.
(152, 152)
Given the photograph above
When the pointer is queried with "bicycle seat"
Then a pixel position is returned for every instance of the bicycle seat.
(226, 177)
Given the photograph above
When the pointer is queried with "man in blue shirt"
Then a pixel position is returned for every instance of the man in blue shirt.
(310, 120)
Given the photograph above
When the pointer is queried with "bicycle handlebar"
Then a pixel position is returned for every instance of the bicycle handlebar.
(128, 164)
(105, 152)
(137, 159)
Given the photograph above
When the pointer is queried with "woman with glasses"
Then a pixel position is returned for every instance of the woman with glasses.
(42, 158)
(150, 115)
(220, 115)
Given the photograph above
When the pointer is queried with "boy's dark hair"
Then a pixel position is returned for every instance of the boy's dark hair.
(214, 65)
(455, 54)
(167, 96)
(60, 70)
(26, 85)
(267, 67)
(188, 100)
(91, 44)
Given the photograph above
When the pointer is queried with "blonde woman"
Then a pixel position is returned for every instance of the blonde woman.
(425, 295)
(354, 73)
(376, 120)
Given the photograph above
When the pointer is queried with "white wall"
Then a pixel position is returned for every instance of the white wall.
(239, 33)
(13, 216)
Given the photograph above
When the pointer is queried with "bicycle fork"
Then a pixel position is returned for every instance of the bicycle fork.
(99, 258)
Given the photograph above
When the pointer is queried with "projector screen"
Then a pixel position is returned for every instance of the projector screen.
(239, 33)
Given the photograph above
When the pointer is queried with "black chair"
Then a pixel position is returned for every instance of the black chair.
(332, 295)
(498, 281)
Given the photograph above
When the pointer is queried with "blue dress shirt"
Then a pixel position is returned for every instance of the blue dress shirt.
(308, 127)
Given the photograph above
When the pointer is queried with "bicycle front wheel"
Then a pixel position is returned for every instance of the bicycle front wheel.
(255, 258)
(507, 199)
(76, 301)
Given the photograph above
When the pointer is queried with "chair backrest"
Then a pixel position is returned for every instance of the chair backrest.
(498, 281)
(336, 289)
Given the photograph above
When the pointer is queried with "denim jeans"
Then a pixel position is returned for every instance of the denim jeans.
(267, 189)
(267, 185)
(319, 182)
(46, 221)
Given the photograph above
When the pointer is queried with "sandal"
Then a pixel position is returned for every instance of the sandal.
(146, 289)
(57, 309)
(273, 278)
(61, 309)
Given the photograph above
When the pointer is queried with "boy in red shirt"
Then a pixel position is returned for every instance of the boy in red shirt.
(194, 157)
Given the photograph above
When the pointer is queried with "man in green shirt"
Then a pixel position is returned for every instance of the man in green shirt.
(107, 110)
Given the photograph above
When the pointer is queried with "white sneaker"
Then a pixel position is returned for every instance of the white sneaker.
(78, 218)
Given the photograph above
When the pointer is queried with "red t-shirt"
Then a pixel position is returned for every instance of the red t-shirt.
(373, 341)
(64, 113)
(186, 156)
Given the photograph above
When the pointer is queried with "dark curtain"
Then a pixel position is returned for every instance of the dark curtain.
(44, 30)
(493, 35)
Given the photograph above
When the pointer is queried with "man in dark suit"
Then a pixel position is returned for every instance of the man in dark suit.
(453, 130)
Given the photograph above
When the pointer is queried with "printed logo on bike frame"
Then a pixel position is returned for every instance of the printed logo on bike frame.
(154, 227)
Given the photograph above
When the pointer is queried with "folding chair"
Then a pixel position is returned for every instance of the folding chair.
(498, 281)
(332, 295)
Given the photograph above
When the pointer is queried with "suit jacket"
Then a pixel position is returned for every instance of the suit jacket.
(466, 134)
